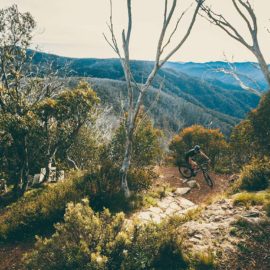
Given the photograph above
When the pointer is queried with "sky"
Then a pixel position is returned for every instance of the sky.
(75, 29)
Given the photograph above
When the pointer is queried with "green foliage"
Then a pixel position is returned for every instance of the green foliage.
(51, 123)
(212, 143)
(255, 176)
(267, 208)
(88, 240)
(39, 209)
(170, 256)
(85, 241)
(204, 261)
(242, 144)
(16, 34)
(63, 117)
(85, 149)
(251, 139)
(248, 199)
(260, 121)
(146, 145)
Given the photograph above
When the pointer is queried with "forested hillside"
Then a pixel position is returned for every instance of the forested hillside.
(219, 106)
(248, 72)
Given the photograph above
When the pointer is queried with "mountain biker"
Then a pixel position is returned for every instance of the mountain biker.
(196, 150)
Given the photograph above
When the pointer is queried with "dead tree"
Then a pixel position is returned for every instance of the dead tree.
(247, 14)
(161, 58)
(231, 70)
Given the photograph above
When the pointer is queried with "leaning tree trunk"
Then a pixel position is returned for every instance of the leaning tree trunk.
(262, 63)
(130, 81)
(23, 172)
(125, 167)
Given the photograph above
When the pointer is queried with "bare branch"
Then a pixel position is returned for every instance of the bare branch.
(249, 9)
(242, 15)
(251, 23)
(199, 3)
(175, 29)
(224, 24)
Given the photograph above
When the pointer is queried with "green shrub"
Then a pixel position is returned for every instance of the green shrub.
(146, 149)
(212, 142)
(204, 261)
(38, 209)
(255, 176)
(141, 179)
(248, 199)
(170, 256)
(89, 240)
(85, 241)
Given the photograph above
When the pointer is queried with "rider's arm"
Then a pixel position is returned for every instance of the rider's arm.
(204, 155)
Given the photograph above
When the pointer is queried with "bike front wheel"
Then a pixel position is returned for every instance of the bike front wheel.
(208, 179)
(185, 171)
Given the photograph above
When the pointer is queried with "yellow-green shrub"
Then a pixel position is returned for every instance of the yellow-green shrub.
(38, 209)
(204, 260)
(255, 176)
(85, 241)
(248, 198)
(212, 142)
(89, 240)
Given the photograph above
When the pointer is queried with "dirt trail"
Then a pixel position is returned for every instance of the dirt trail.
(171, 176)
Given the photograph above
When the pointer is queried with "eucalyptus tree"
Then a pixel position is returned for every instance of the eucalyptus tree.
(250, 40)
(162, 56)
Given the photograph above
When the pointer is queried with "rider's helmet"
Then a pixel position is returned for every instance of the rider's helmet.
(197, 148)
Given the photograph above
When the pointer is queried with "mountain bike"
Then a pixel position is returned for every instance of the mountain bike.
(186, 171)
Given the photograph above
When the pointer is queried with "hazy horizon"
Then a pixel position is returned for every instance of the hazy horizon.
(74, 29)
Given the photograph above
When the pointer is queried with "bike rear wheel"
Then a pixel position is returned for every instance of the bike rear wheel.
(185, 171)
(208, 179)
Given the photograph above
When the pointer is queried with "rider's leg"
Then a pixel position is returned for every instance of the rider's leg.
(194, 166)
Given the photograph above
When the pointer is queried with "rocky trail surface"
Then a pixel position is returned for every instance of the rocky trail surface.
(236, 235)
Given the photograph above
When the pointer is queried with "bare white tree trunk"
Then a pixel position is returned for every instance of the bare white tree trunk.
(135, 105)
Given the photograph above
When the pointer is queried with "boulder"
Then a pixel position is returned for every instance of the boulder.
(181, 191)
(39, 177)
(193, 184)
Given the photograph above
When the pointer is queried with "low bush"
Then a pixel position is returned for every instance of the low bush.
(248, 199)
(85, 241)
(204, 261)
(89, 240)
(255, 176)
(212, 142)
(38, 210)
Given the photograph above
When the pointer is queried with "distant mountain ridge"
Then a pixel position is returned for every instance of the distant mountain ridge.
(249, 73)
(196, 84)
